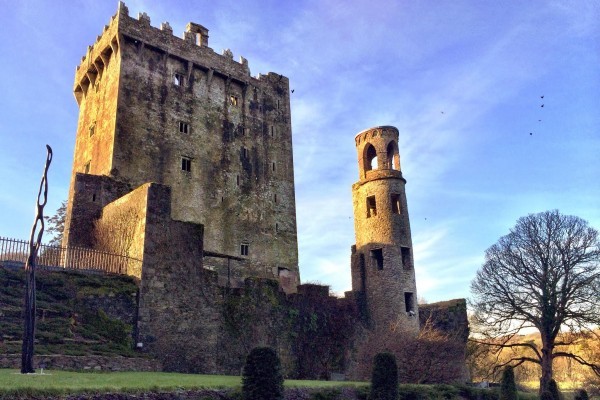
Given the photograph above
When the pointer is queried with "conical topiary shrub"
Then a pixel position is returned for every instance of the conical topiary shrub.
(384, 382)
(262, 378)
(546, 395)
(553, 389)
(581, 394)
(508, 387)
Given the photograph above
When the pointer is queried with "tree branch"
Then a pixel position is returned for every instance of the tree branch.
(595, 367)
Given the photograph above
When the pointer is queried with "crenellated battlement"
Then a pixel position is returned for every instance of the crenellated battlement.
(385, 131)
(191, 48)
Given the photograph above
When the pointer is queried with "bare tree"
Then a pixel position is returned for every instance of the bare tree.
(545, 274)
(431, 356)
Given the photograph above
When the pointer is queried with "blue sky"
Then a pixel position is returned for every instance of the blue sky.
(462, 81)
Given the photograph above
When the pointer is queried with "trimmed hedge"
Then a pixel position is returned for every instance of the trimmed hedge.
(262, 378)
(508, 387)
(384, 383)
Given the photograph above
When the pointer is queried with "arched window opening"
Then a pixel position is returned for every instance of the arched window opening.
(393, 157)
(370, 158)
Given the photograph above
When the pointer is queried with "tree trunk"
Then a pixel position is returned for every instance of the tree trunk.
(546, 365)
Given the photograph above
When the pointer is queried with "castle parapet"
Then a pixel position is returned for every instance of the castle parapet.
(193, 48)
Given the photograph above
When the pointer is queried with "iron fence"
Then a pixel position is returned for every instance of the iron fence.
(14, 252)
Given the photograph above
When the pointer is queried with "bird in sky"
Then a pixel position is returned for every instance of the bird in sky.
(542, 106)
(530, 133)
(542, 96)
(292, 90)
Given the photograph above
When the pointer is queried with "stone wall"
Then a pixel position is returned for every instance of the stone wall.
(346, 393)
(83, 363)
(449, 316)
(88, 195)
(121, 229)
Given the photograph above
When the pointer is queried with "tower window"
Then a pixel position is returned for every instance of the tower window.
(237, 180)
(93, 128)
(406, 260)
(272, 131)
(183, 127)
(393, 159)
(395, 198)
(377, 256)
(371, 207)
(186, 164)
(409, 303)
(87, 167)
(177, 79)
(276, 227)
(233, 100)
(273, 166)
(244, 249)
(370, 158)
(275, 198)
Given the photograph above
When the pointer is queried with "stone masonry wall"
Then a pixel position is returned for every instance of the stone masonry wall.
(83, 363)
(87, 197)
(450, 317)
(121, 228)
(177, 322)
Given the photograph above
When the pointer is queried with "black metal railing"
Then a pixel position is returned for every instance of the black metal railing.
(14, 252)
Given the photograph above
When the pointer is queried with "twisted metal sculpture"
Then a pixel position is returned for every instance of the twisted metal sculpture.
(29, 332)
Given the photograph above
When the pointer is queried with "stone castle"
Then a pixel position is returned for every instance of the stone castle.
(183, 161)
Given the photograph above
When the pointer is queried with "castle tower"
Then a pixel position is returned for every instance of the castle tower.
(383, 275)
(154, 107)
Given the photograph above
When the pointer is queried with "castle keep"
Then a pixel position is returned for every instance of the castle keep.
(183, 163)
(157, 108)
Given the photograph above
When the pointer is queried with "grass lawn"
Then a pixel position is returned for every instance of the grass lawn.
(11, 379)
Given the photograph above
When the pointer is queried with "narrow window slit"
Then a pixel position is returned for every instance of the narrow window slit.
(371, 207)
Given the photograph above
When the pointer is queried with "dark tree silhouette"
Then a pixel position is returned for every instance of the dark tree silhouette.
(581, 394)
(545, 274)
(56, 224)
(508, 387)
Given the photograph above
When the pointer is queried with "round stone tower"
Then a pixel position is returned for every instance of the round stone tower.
(383, 275)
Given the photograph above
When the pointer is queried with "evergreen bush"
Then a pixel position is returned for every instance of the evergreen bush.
(546, 395)
(508, 387)
(262, 378)
(581, 394)
(384, 382)
(553, 389)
